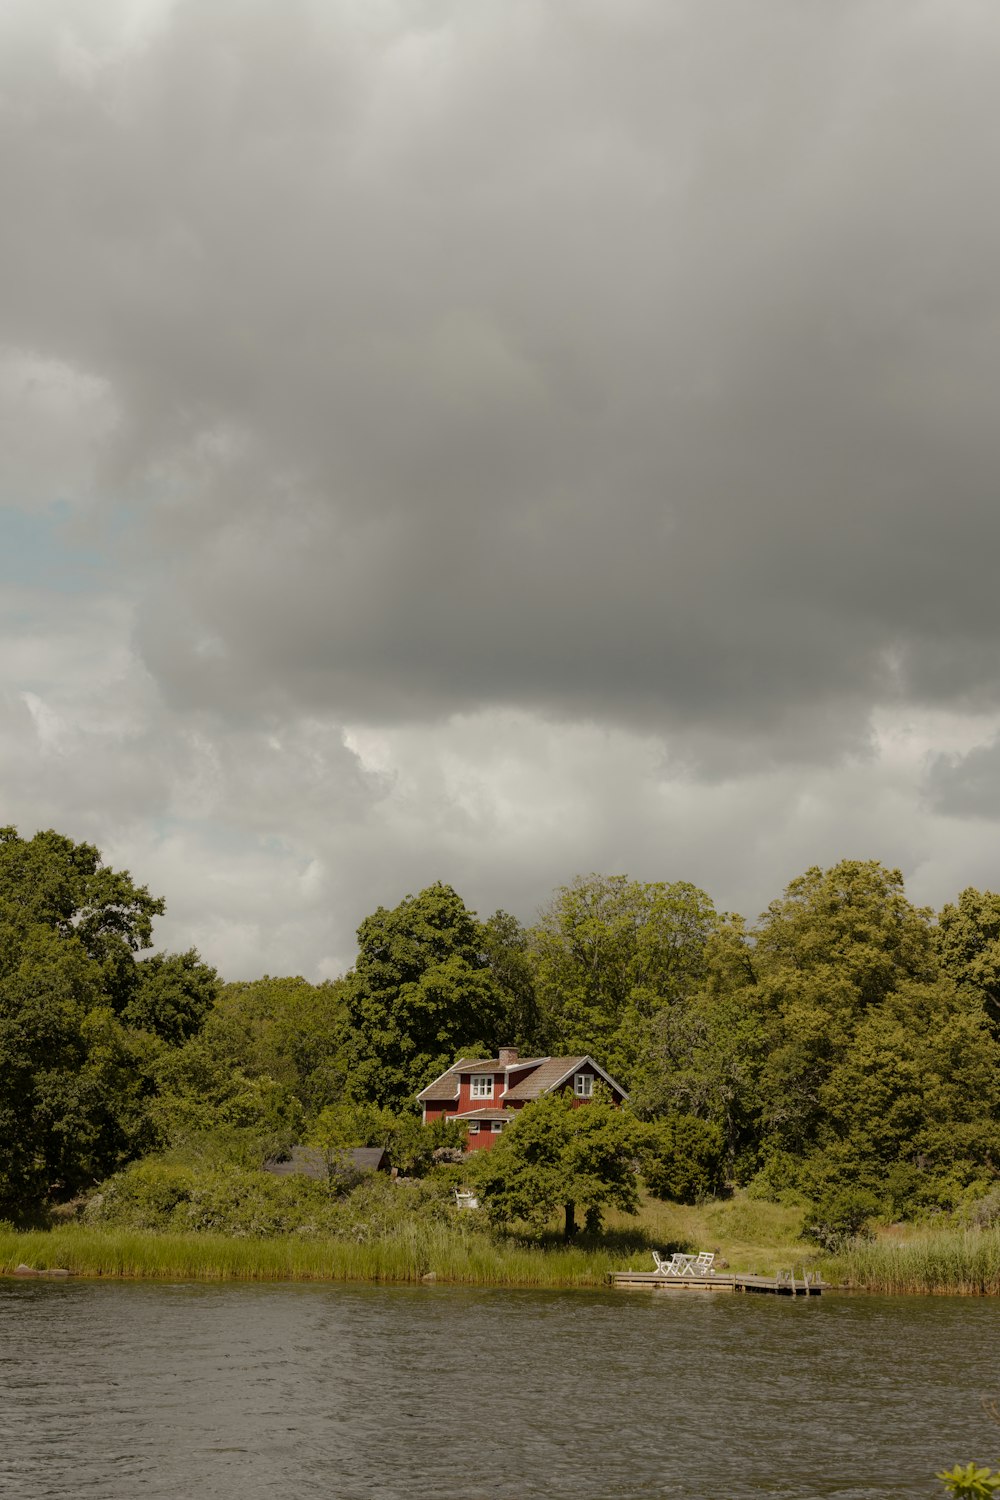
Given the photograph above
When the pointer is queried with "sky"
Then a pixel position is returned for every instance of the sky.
(496, 440)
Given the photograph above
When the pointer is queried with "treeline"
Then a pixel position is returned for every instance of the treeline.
(846, 1043)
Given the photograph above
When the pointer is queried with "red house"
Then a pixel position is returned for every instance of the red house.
(485, 1093)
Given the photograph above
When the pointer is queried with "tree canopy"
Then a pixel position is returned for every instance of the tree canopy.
(421, 992)
(555, 1156)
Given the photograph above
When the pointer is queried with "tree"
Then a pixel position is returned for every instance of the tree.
(286, 1028)
(421, 992)
(73, 1081)
(506, 947)
(968, 942)
(49, 881)
(557, 1156)
(852, 920)
(610, 953)
(682, 1158)
(174, 994)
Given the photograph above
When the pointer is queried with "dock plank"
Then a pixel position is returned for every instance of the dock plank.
(732, 1282)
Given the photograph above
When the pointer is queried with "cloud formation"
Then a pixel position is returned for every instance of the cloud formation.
(493, 440)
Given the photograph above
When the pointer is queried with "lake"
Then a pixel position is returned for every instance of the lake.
(125, 1391)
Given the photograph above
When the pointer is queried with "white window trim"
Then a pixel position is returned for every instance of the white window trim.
(473, 1127)
(583, 1085)
(481, 1086)
(496, 1126)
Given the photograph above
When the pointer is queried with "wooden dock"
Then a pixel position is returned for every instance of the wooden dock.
(785, 1284)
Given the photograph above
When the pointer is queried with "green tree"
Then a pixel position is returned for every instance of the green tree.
(421, 992)
(611, 953)
(681, 1158)
(506, 946)
(174, 994)
(286, 1029)
(73, 1082)
(852, 921)
(968, 942)
(555, 1156)
(49, 881)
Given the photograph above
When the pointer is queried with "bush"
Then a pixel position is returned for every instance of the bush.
(841, 1215)
(143, 1196)
(157, 1195)
(970, 1482)
(985, 1212)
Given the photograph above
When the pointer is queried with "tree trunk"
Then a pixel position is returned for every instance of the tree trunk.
(570, 1229)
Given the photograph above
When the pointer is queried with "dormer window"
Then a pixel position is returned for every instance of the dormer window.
(583, 1085)
(481, 1086)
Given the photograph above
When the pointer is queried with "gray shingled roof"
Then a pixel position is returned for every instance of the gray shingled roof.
(445, 1088)
(544, 1077)
(485, 1114)
(309, 1161)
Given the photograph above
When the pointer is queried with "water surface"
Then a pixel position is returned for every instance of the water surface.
(120, 1391)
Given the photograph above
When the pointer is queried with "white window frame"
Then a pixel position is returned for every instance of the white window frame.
(473, 1127)
(583, 1085)
(496, 1126)
(481, 1086)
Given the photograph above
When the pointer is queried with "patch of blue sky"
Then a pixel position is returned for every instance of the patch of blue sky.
(37, 551)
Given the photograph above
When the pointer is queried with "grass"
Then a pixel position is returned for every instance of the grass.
(407, 1255)
(749, 1234)
(959, 1262)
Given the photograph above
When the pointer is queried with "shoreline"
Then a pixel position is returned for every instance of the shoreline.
(950, 1263)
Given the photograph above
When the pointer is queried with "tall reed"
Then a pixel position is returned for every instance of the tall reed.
(962, 1262)
(406, 1255)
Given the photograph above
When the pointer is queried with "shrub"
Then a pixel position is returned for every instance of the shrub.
(970, 1482)
(840, 1215)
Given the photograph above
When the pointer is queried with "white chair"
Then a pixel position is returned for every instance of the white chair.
(672, 1267)
(703, 1264)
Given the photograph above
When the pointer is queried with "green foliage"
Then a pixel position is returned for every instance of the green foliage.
(968, 943)
(168, 1196)
(49, 882)
(609, 954)
(422, 992)
(286, 1029)
(852, 920)
(841, 1215)
(681, 1158)
(73, 1081)
(506, 948)
(174, 994)
(409, 1144)
(555, 1156)
(971, 1482)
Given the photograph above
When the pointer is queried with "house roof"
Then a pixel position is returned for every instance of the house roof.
(494, 1065)
(358, 1159)
(304, 1161)
(550, 1072)
(545, 1073)
(484, 1114)
(553, 1072)
(309, 1161)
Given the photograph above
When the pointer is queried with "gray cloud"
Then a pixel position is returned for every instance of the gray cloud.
(623, 368)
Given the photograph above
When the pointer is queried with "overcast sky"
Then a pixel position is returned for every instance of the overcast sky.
(493, 440)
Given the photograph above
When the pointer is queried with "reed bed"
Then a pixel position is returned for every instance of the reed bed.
(407, 1255)
(957, 1262)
